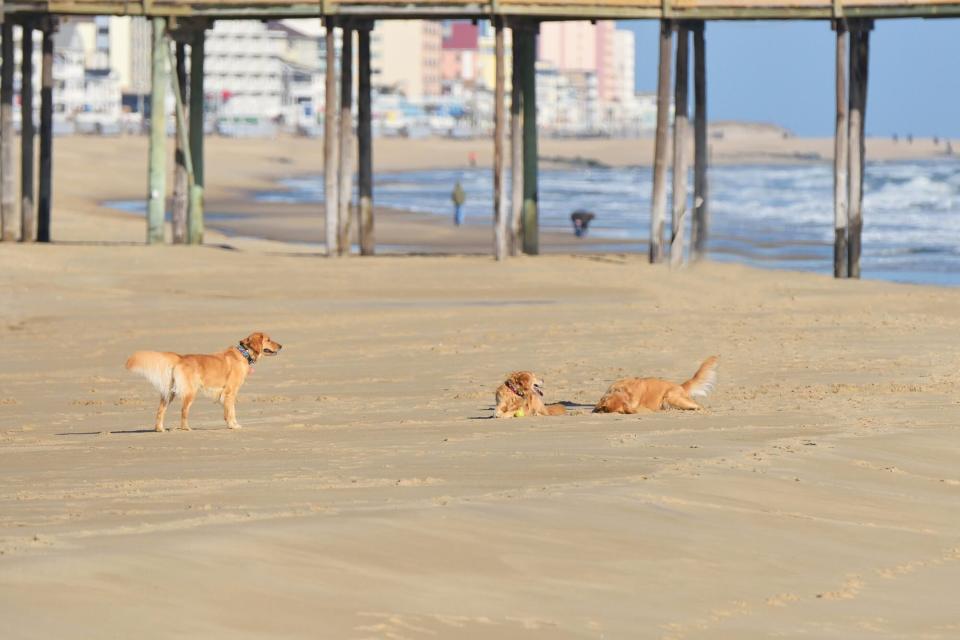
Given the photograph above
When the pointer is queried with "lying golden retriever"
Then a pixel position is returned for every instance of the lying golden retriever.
(218, 374)
(633, 395)
(521, 394)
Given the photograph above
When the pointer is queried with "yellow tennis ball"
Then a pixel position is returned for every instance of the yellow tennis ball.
(519, 413)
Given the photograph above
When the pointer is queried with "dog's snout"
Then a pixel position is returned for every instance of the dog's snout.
(279, 346)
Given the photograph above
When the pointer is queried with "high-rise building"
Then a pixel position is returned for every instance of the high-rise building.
(408, 56)
(624, 65)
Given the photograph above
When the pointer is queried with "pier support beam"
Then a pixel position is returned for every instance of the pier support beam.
(700, 225)
(345, 187)
(659, 198)
(840, 160)
(516, 148)
(44, 199)
(859, 58)
(7, 198)
(680, 165)
(28, 214)
(364, 142)
(528, 81)
(180, 180)
(157, 174)
(500, 204)
(195, 211)
(331, 141)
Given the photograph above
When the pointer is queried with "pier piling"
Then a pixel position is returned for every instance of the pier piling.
(345, 186)
(700, 223)
(196, 130)
(528, 63)
(28, 214)
(364, 142)
(157, 174)
(516, 148)
(658, 204)
(859, 59)
(331, 141)
(840, 158)
(680, 125)
(500, 205)
(45, 190)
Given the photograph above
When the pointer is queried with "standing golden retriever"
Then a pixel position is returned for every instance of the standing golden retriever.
(521, 394)
(218, 374)
(633, 395)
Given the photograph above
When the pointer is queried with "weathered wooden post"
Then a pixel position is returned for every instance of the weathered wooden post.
(680, 125)
(180, 187)
(516, 146)
(331, 142)
(346, 139)
(840, 250)
(196, 130)
(7, 198)
(700, 225)
(500, 205)
(859, 58)
(46, 132)
(157, 174)
(364, 141)
(528, 71)
(28, 214)
(181, 117)
(659, 199)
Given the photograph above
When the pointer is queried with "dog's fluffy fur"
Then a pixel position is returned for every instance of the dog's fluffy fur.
(218, 374)
(633, 395)
(522, 390)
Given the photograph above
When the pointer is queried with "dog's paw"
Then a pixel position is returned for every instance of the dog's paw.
(235, 425)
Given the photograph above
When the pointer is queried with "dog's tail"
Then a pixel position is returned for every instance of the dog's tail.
(157, 367)
(556, 409)
(704, 379)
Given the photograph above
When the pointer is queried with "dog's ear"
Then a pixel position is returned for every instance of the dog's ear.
(254, 342)
(525, 379)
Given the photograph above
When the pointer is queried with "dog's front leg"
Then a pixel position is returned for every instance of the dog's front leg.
(230, 410)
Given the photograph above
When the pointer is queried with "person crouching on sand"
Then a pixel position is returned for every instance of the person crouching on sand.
(459, 196)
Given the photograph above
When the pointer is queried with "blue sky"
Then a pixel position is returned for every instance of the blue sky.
(782, 72)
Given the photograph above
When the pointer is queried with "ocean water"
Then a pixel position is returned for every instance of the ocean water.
(776, 216)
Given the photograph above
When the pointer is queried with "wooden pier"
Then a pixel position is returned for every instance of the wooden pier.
(515, 215)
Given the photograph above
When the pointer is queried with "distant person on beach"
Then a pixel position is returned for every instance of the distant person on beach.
(581, 220)
(459, 196)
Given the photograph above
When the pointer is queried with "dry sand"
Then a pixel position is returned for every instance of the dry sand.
(369, 496)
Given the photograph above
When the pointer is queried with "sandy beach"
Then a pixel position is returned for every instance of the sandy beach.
(370, 495)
